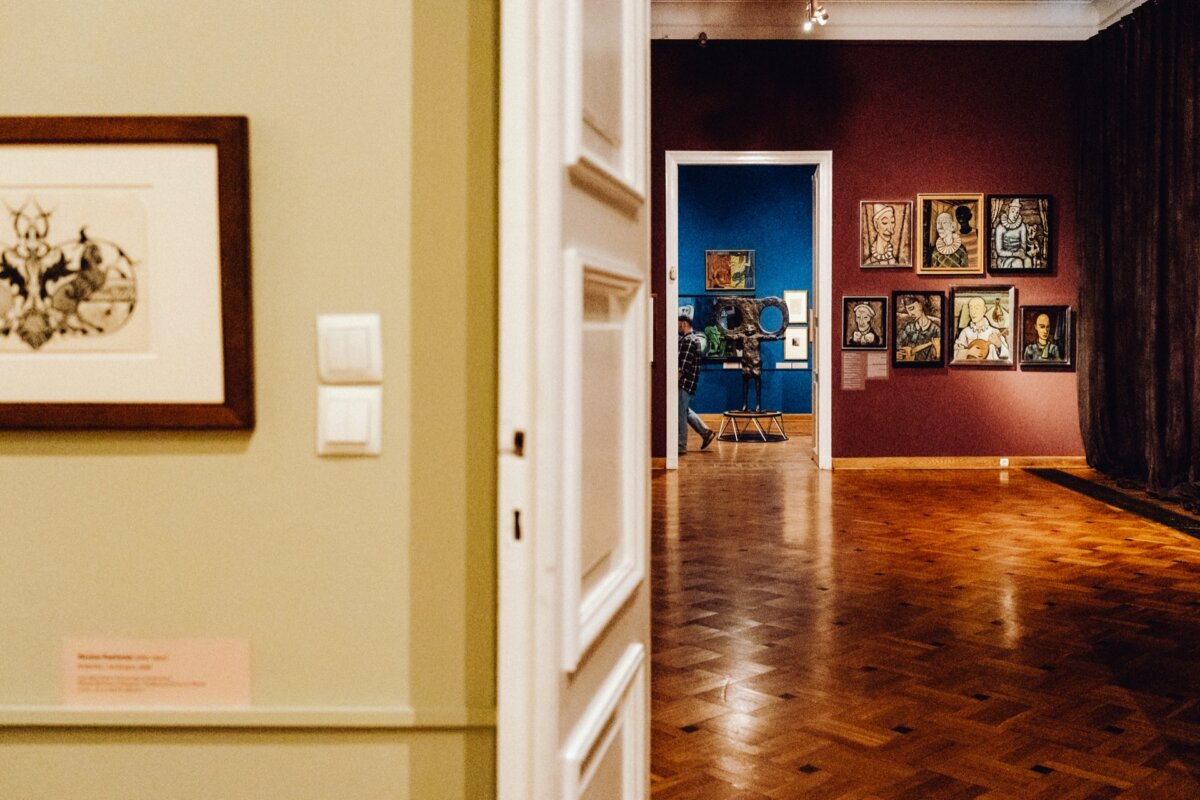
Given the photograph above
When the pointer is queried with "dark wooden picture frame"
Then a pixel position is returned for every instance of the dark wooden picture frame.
(864, 323)
(918, 328)
(1020, 243)
(134, 140)
(1058, 351)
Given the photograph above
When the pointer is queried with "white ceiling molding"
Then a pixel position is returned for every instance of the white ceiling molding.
(1109, 11)
(889, 19)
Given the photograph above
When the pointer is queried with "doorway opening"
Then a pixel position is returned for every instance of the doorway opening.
(689, 290)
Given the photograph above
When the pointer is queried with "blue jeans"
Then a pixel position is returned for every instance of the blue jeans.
(688, 417)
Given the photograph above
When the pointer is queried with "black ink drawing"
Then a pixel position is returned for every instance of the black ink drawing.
(82, 286)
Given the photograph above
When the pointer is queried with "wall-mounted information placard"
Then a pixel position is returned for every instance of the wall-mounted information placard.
(854, 371)
(192, 673)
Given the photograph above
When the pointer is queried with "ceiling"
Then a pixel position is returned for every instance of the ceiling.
(888, 19)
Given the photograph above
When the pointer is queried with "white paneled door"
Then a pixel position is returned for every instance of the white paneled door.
(574, 403)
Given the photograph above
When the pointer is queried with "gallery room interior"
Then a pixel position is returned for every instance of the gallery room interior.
(948, 550)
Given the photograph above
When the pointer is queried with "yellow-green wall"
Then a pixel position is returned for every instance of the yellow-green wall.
(363, 584)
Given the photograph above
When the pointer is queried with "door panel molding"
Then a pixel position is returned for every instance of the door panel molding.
(606, 156)
(614, 715)
(587, 611)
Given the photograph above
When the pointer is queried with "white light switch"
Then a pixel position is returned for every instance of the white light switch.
(349, 348)
(349, 420)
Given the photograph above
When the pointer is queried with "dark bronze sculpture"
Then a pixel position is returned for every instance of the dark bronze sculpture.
(740, 320)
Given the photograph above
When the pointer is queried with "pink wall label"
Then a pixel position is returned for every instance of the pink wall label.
(877, 366)
(854, 371)
(175, 673)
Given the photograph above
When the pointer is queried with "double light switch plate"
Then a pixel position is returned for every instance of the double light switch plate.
(350, 405)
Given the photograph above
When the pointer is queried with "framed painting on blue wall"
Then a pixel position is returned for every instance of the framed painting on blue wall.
(705, 310)
(729, 270)
(797, 304)
(795, 343)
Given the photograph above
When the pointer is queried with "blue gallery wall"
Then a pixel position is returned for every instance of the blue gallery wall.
(767, 209)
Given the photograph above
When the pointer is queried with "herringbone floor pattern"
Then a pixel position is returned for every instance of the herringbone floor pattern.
(912, 635)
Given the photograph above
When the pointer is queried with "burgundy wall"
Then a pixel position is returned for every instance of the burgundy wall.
(900, 118)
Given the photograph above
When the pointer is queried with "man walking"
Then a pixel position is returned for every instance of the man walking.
(691, 348)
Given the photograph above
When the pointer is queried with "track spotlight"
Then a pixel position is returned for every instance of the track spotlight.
(814, 13)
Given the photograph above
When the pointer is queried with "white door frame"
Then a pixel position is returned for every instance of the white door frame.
(822, 283)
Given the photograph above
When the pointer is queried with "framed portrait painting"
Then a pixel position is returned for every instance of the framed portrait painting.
(885, 234)
(918, 336)
(125, 273)
(1019, 235)
(982, 326)
(951, 227)
(1047, 337)
(864, 323)
(729, 270)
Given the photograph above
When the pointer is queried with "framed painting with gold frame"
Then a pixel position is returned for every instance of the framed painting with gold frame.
(951, 228)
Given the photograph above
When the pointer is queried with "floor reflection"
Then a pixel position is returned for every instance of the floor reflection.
(914, 634)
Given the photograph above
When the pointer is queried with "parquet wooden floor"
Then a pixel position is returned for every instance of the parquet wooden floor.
(911, 635)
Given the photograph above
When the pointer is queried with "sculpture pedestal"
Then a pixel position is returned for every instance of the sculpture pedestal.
(740, 422)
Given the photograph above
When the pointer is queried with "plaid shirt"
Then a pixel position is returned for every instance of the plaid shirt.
(691, 348)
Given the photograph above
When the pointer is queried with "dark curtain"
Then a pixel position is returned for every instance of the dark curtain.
(1139, 227)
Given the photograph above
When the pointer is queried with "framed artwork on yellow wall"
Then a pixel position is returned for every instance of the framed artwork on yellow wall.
(125, 273)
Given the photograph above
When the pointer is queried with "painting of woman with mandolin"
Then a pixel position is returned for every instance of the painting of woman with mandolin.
(983, 326)
(918, 326)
